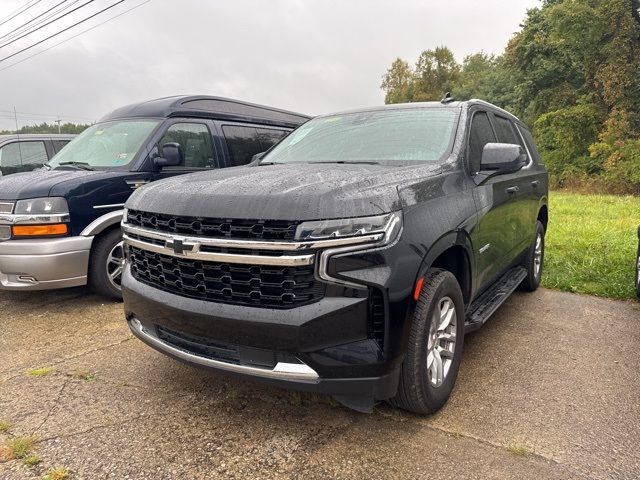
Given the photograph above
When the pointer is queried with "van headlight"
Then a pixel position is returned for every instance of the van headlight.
(42, 206)
(388, 224)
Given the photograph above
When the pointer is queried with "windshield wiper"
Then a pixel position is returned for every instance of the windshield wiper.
(80, 165)
(352, 162)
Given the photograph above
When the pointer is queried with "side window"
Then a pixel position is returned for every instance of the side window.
(243, 143)
(506, 132)
(59, 144)
(195, 140)
(270, 136)
(531, 145)
(22, 156)
(481, 134)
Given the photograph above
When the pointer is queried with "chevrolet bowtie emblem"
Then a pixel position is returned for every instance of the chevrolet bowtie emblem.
(178, 246)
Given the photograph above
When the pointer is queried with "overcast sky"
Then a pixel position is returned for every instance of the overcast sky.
(311, 56)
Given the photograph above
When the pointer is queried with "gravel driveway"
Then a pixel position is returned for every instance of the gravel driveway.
(549, 389)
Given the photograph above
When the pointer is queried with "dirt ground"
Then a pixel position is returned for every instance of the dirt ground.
(548, 389)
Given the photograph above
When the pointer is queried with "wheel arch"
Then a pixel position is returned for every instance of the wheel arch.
(102, 223)
(452, 252)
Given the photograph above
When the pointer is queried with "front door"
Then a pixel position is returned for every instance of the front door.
(494, 236)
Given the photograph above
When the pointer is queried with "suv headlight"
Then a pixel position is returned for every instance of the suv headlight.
(42, 206)
(388, 224)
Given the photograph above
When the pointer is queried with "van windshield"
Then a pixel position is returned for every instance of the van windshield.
(105, 145)
(410, 135)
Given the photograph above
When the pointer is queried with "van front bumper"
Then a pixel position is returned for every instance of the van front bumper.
(45, 263)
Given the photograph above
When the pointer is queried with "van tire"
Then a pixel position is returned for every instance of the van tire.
(534, 273)
(106, 246)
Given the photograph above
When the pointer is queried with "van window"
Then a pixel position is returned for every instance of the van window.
(481, 134)
(59, 144)
(270, 136)
(22, 157)
(195, 140)
(243, 143)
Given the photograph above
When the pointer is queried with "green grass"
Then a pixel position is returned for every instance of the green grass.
(18, 447)
(518, 450)
(4, 426)
(58, 473)
(591, 244)
(31, 460)
(39, 372)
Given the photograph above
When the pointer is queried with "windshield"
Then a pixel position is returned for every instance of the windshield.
(385, 136)
(104, 145)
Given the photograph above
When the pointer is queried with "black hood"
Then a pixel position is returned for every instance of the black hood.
(280, 192)
(44, 183)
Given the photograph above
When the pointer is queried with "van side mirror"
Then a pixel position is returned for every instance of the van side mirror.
(499, 158)
(172, 156)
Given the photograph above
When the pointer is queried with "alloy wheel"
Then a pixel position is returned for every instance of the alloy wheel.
(441, 343)
(537, 256)
(115, 265)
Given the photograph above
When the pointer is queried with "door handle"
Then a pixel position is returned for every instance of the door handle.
(513, 189)
(535, 184)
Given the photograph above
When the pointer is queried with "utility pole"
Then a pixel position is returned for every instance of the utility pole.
(15, 116)
(58, 122)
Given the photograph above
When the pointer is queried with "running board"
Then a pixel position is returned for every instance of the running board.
(487, 303)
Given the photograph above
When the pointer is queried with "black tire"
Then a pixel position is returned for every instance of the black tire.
(99, 280)
(416, 391)
(534, 274)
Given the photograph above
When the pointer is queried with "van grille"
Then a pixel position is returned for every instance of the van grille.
(237, 284)
(215, 228)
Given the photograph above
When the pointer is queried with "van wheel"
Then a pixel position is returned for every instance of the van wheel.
(431, 365)
(534, 261)
(106, 264)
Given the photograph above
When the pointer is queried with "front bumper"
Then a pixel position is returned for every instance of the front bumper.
(322, 347)
(44, 264)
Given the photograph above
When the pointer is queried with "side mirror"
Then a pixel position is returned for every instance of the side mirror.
(500, 158)
(256, 158)
(171, 156)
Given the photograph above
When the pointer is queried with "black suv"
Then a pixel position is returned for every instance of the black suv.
(60, 227)
(351, 259)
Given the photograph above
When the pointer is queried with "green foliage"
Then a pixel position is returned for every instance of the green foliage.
(591, 244)
(436, 72)
(572, 72)
(44, 127)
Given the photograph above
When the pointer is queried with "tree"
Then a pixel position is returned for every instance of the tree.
(436, 73)
(397, 83)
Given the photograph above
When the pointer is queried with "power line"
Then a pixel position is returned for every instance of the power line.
(73, 36)
(23, 9)
(32, 20)
(49, 23)
(61, 31)
(42, 115)
(42, 20)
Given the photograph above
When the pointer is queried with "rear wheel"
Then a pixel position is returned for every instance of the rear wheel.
(534, 261)
(106, 265)
(431, 365)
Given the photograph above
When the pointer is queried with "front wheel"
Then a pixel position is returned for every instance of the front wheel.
(106, 265)
(534, 261)
(431, 365)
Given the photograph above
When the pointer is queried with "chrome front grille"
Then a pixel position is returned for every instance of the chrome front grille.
(238, 284)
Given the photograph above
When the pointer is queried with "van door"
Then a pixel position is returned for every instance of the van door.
(197, 143)
(493, 238)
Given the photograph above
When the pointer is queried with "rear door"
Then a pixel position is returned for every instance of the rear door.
(494, 238)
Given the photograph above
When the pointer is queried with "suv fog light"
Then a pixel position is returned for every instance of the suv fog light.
(5, 232)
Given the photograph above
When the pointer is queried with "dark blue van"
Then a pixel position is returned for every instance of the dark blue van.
(60, 226)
